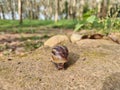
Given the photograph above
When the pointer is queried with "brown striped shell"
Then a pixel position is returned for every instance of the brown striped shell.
(59, 54)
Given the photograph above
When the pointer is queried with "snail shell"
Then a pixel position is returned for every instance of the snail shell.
(59, 56)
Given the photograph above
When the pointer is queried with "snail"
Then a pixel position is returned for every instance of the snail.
(59, 56)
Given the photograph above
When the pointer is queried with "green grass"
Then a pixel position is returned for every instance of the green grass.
(26, 23)
(30, 26)
(65, 24)
(37, 23)
(34, 38)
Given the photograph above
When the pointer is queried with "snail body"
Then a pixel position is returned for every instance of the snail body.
(59, 56)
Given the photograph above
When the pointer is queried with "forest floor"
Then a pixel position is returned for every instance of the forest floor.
(89, 68)
(22, 42)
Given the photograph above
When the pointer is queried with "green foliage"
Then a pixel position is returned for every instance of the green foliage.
(85, 22)
(88, 13)
(91, 19)
(88, 22)
(78, 26)
(93, 22)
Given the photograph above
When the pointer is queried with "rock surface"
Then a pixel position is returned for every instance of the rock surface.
(75, 37)
(94, 43)
(115, 37)
(57, 39)
(96, 68)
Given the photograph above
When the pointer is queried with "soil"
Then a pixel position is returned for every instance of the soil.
(89, 68)
(19, 43)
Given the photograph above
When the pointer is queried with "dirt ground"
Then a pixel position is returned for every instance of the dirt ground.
(89, 68)
(19, 43)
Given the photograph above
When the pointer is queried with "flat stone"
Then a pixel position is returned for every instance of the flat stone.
(75, 37)
(57, 39)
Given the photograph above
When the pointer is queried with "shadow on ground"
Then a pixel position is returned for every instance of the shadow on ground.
(112, 82)
(73, 57)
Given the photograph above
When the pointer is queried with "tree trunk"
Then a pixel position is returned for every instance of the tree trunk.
(56, 10)
(103, 9)
(20, 11)
(2, 10)
(31, 10)
(74, 9)
(28, 10)
(11, 9)
(66, 10)
(81, 9)
(36, 7)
